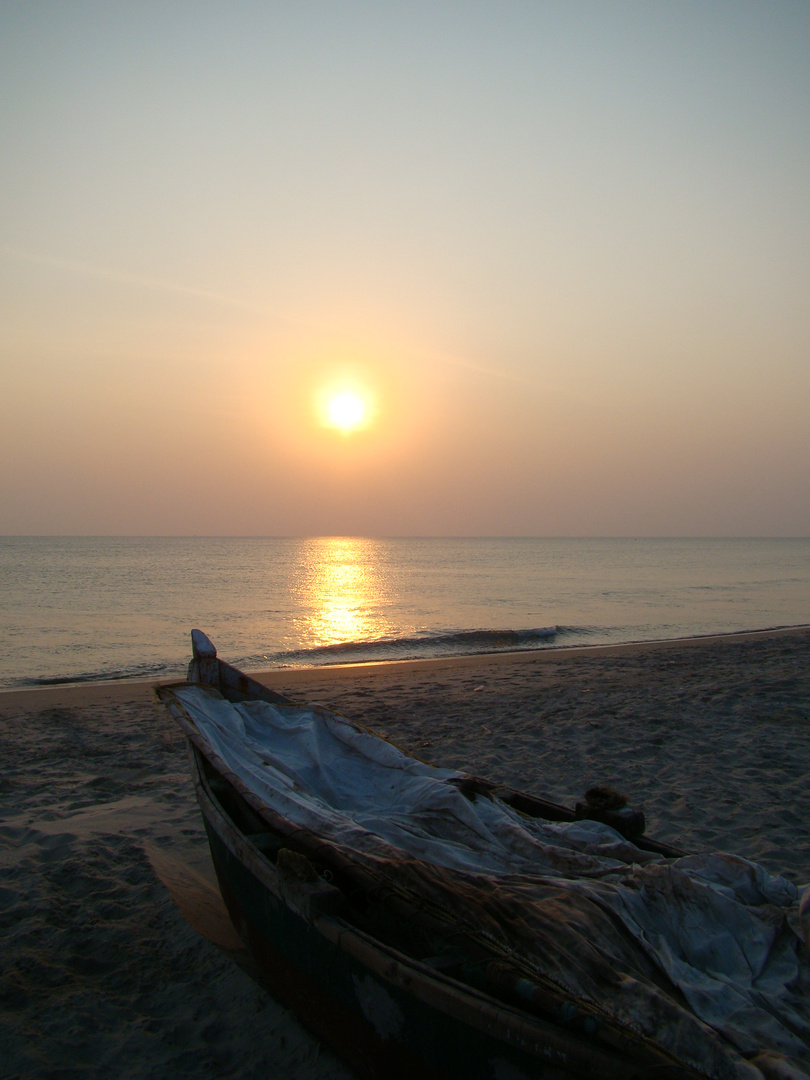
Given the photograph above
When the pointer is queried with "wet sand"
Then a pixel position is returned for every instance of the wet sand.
(118, 957)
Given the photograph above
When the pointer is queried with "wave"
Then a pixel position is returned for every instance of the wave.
(428, 644)
(137, 671)
(425, 645)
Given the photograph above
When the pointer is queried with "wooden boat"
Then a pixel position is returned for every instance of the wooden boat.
(379, 960)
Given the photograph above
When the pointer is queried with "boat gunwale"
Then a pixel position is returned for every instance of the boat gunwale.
(235, 686)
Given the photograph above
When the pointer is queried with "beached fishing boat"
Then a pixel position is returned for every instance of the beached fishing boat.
(427, 923)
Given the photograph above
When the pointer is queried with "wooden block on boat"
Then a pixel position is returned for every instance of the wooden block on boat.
(630, 823)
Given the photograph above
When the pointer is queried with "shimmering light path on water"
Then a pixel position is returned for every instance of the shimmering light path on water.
(80, 607)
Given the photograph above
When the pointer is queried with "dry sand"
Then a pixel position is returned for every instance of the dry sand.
(118, 958)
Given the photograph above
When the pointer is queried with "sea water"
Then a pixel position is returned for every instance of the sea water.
(74, 609)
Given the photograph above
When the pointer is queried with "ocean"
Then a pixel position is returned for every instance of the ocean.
(76, 609)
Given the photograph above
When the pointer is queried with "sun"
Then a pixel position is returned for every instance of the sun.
(346, 411)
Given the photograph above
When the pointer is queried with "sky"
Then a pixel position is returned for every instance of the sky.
(560, 251)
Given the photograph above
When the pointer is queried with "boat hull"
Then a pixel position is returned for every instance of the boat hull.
(384, 1014)
(333, 956)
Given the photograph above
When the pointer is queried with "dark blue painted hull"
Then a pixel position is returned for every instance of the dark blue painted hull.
(386, 1014)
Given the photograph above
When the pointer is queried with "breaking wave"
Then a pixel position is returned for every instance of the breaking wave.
(428, 644)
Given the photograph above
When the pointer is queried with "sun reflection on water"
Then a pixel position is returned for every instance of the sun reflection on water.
(344, 592)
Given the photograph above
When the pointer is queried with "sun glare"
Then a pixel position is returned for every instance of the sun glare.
(346, 411)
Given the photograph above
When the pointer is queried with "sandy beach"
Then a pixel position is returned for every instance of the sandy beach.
(118, 956)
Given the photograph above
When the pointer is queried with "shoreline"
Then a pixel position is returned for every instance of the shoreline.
(119, 692)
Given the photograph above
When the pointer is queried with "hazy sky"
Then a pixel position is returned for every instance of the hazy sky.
(562, 249)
